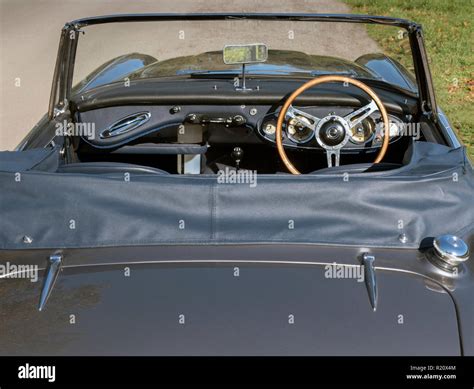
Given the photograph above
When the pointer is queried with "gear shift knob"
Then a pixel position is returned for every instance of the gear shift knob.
(237, 155)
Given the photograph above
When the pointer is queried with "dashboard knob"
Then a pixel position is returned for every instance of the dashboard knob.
(237, 154)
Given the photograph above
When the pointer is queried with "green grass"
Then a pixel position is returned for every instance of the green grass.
(448, 32)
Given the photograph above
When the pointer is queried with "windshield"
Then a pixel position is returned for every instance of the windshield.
(305, 48)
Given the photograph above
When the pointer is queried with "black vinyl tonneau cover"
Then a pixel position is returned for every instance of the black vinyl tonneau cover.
(368, 209)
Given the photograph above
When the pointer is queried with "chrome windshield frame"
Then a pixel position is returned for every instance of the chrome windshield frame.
(63, 74)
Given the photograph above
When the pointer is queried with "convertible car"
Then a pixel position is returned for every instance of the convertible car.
(297, 192)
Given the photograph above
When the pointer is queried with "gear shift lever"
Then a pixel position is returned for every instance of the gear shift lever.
(237, 155)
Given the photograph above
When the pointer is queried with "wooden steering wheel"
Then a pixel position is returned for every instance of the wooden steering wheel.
(332, 132)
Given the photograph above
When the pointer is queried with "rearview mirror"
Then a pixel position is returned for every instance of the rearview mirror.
(242, 54)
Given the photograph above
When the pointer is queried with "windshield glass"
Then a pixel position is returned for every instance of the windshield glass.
(306, 48)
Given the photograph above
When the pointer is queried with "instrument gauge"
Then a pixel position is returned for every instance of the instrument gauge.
(298, 132)
(395, 129)
(363, 132)
(269, 129)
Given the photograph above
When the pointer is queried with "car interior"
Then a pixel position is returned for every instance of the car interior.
(201, 124)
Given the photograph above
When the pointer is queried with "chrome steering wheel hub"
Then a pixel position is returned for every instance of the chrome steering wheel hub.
(332, 134)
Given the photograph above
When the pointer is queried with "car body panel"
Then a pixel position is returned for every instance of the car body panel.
(129, 301)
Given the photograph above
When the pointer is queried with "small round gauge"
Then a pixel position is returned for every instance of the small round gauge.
(269, 129)
(363, 132)
(298, 132)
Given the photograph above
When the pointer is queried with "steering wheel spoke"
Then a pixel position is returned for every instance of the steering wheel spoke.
(359, 115)
(336, 153)
(295, 113)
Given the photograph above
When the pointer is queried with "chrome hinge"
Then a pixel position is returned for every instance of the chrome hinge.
(370, 279)
(51, 275)
(59, 111)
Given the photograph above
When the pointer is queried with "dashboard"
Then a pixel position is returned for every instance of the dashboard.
(114, 127)
(156, 111)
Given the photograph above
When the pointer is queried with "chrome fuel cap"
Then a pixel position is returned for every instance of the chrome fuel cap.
(450, 251)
